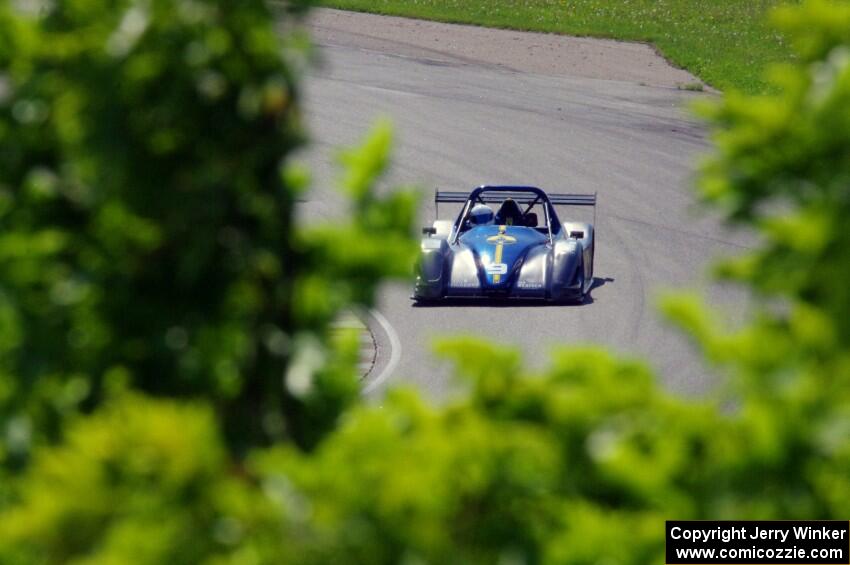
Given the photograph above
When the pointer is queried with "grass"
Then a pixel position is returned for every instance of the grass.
(726, 43)
(692, 86)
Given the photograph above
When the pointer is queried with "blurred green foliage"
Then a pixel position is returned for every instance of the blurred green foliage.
(140, 454)
(147, 226)
(141, 481)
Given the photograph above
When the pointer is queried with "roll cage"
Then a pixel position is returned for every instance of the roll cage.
(485, 195)
(529, 196)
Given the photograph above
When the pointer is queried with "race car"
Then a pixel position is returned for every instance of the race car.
(517, 248)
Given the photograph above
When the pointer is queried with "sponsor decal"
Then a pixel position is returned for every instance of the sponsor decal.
(501, 239)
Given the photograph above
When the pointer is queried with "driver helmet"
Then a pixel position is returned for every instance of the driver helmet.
(480, 215)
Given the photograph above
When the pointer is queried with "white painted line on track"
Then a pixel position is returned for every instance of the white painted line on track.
(395, 352)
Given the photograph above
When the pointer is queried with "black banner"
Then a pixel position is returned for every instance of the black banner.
(767, 542)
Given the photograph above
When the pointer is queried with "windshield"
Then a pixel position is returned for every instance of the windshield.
(506, 213)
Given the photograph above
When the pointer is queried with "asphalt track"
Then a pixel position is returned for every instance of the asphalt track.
(460, 124)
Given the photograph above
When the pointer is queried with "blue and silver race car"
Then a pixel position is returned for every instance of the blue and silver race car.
(520, 249)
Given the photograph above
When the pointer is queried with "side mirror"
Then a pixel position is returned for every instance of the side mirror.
(577, 234)
(429, 231)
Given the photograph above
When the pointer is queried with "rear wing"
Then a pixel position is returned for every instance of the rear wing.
(520, 197)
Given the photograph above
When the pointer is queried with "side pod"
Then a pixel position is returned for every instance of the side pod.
(431, 275)
(584, 234)
(567, 280)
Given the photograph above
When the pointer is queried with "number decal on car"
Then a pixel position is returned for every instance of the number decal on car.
(496, 269)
